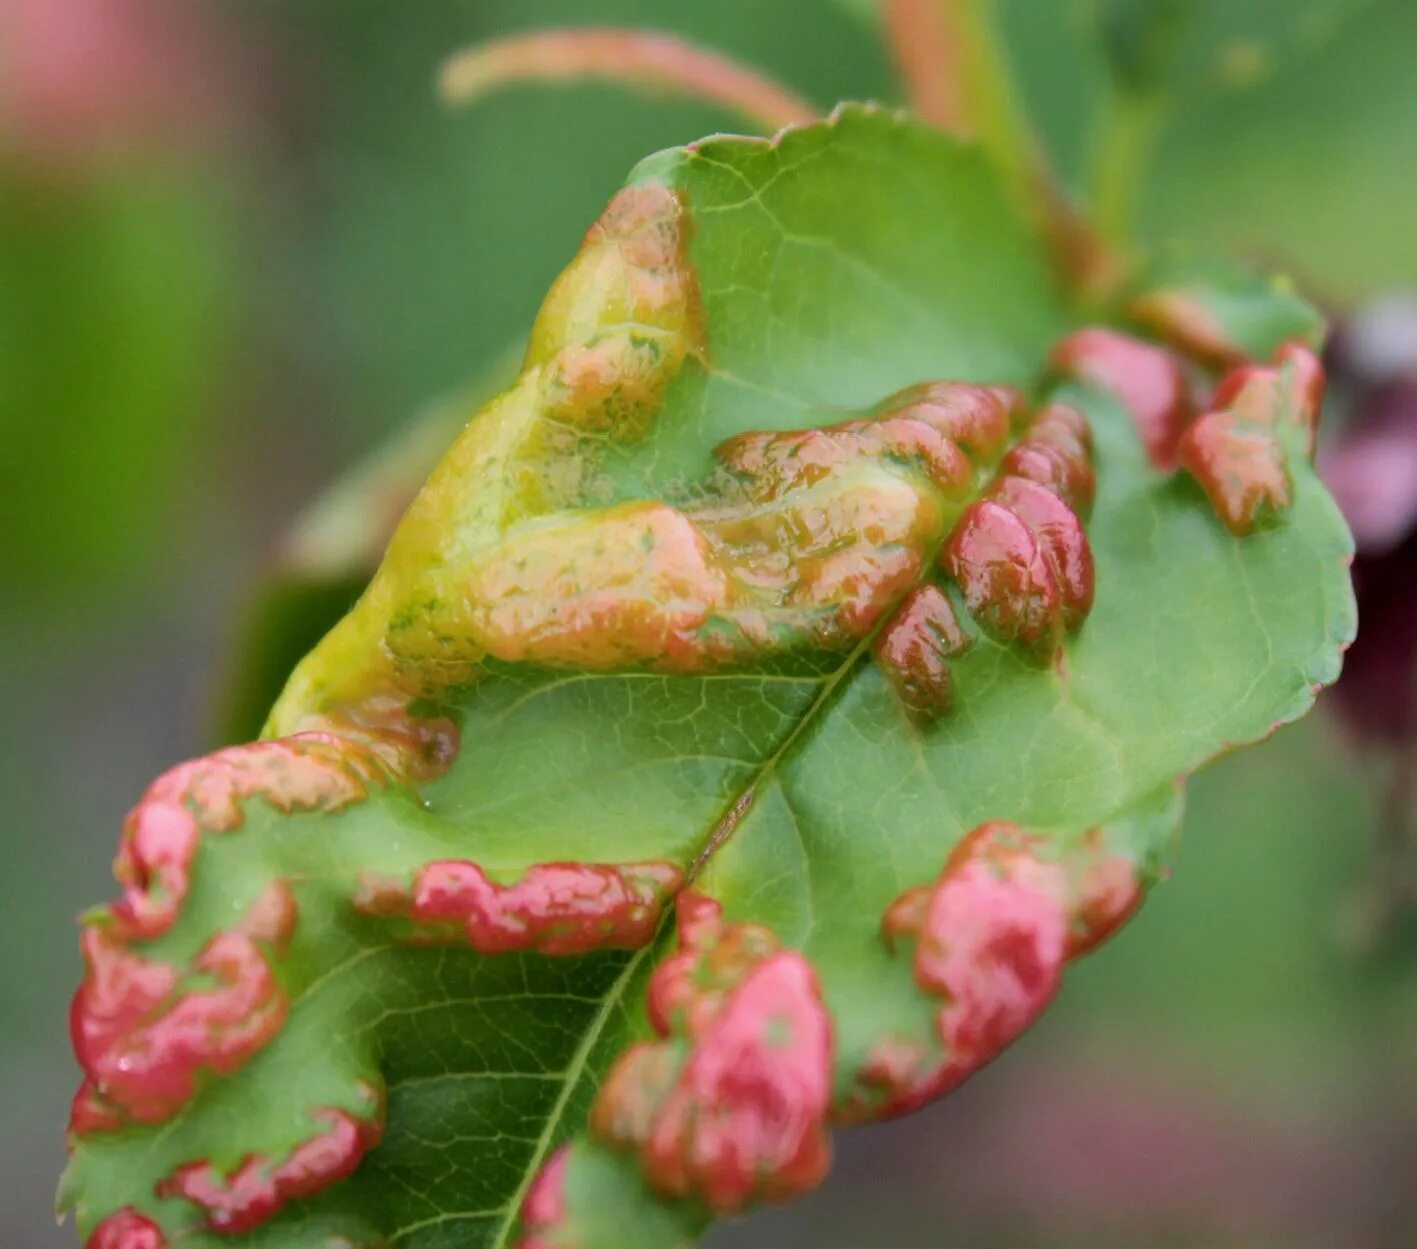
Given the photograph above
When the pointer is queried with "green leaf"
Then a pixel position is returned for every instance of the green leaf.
(1277, 170)
(1219, 313)
(1186, 46)
(723, 688)
(863, 10)
(1269, 171)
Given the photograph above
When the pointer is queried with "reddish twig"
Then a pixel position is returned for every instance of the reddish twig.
(926, 52)
(643, 59)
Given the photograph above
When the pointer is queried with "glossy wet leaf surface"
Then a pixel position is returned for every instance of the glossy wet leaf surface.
(832, 269)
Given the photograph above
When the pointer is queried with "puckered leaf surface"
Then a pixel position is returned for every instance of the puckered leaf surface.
(480, 710)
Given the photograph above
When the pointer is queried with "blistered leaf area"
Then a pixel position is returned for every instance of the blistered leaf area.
(761, 705)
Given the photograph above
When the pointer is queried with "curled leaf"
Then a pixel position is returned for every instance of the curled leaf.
(763, 701)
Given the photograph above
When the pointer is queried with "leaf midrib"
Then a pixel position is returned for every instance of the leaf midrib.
(574, 1072)
(718, 836)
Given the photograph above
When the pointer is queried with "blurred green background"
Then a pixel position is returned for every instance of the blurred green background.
(241, 244)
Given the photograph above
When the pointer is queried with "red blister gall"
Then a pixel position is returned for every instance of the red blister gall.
(688, 988)
(1005, 574)
(745, 1119)
(554, 909)
(1048, 467)
(914, 646)
(992, 943)
(1056, 452)
(126, 1229)
(624, 1113)
(305, 772)
(945, 463)
(977, 418)
(1291, 390)
(1308, 381)
(1062, 536)
(544, 1210)
(741, 1116)
(1104, 892)
(1236, 452)
(991, 937)
(261, 1187)
(1148, 381)
(145, 1042)
(1240, 465)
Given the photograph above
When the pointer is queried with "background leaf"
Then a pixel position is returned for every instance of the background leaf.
(1194, 46)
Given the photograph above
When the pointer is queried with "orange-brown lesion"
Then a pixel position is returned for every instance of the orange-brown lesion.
(804, 539)
(800, 540)
(615, 330)
(1186, 321)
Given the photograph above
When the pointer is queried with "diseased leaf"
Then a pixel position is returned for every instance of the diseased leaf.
(1219, 314)
(325, 560)
(742, 597)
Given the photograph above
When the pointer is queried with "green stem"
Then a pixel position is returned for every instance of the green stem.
(991, 107)
(1123, 153)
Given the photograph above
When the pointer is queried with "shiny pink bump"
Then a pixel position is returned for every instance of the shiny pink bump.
(1104, 892)
(1291, 390)
(945, 463)
(1240, 465)
(143, 1042)
(304, 772)
(544, 1210)
(126, 1229)
(259, 1188)
(89, 1113)
(742, 1117)
(1056, 452)
(1308, 382)
(1147, 380)
(554, 909)
(688, 988)
(913, 648)
(1060, 533)
(977, 418)
(1235, 452)
(991, 938)
(992, 944)
(745, 1121)
(1005, 575)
